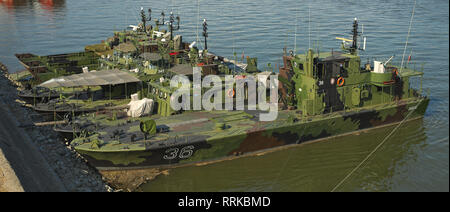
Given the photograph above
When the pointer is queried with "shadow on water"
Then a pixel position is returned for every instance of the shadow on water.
(311, 167)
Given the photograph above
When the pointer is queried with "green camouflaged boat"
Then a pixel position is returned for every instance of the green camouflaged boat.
(320, 96)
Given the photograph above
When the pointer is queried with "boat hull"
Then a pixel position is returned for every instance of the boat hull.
(39, 99)
(55, 115)
(335, 124)
(66, 134)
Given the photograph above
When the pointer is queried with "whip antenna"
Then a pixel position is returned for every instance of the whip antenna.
(295, 33)
(407, 37)
(309, 25)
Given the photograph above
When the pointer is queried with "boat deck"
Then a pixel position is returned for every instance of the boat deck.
(196, 126)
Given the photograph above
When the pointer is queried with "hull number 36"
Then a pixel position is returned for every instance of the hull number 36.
(185, 152)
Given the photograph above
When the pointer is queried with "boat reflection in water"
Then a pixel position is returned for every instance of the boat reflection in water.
(318, 166)
(45, 5)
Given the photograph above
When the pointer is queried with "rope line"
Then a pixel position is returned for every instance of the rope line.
(374, 150)
(287, 160)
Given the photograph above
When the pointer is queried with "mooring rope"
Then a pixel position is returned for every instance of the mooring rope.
(287, 160)
(374, 150)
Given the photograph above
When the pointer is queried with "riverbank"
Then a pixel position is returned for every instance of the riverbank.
(37, 157)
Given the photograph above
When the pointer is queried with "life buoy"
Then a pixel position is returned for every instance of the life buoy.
(340, 81)
(395, 71)
(230, 93)
(240, 77)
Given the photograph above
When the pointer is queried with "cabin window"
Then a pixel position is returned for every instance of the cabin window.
(320, 71)
(300, 66)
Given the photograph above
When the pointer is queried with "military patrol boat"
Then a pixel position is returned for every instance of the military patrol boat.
(320, 95)
(151, 56)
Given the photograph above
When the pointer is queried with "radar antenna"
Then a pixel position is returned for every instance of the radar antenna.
(160, 23)
(144, 19)
(407, 37)
(354, 47)
(149, 14)
(171, 21)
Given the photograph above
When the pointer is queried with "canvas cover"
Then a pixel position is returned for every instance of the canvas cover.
(106, 77)
(140, 107)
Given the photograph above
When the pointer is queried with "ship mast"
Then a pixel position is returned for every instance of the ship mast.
(149, 14)
(171, 21)
(144, 19)
(205, 32)
(354, 47)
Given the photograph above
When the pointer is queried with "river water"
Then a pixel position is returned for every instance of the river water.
(414, 158)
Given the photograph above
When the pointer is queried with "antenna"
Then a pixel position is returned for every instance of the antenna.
(309, 25)
(355, 37)
(171, 20)
(364, 38)
(149, 14)
(317, 39)
(205, 32)
(163, 15)
(407, 37)
(364, 46)
(144, 19)
(198, 17)
(160, 22)
(295, 33)
(232, 35)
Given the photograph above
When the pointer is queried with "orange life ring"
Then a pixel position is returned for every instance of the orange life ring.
(229, 91)
(240, 77)
(395, 71)
(340, 81)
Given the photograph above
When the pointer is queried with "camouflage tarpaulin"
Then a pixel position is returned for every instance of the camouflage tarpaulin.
(150, 56)
(185, 69)
(125, 47)
(107, 77)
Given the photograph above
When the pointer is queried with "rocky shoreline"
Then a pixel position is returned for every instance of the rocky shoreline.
(72, 170)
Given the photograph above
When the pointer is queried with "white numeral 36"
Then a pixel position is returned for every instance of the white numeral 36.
(185, 152)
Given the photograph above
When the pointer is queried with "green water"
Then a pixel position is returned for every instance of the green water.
(316, 166)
